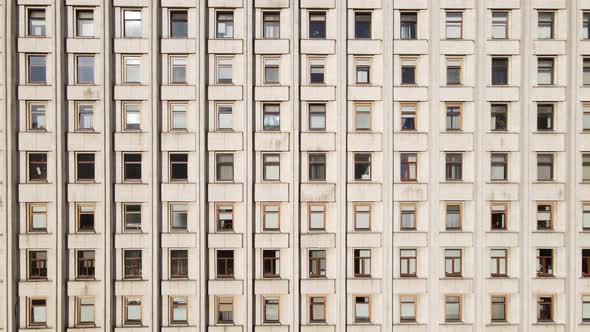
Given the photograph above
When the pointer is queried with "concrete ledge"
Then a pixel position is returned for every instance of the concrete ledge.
(317, 141)
(226, 287)
(132, 92)
(132, 288)
(271, 93)
(85, 141)
(36, 141)
(36, 192)
(178, 92)
(178, 240)
(35, 45)
(410, 285)
(363, 46)
(410, 239)
(224, 192)
(178, 287)
(271, 286)
(132, 141)
(271, 141)
(132, 240)
(131, 45)
(363, 240)
(363, 192)
(178, 141)
(318, 286)
(271, 46)
(318, 46)
(410, 47)
(132, 192)
(363, 286)
(225, 46)
(318, 240)
(271, 240)
(227, 4)
(85, 192)
(35, 92)
(271, 192)
(84, 45)
(224, 240)
(318, 192)
(368, 93)
(317, 3)
(318, 93)
(84, 92)
(271, 3)
(178, 45)
(224, 141)
(364, 142)
(225, 92)
(455, 285)
(178, 192)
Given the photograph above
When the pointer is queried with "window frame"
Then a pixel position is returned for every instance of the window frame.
(82, 163)
(78, 20)
(85, 266)
(310, 214)
(179, 264)
(317, 166)
(125, 20)
(31, 164)
(265, 216)
(451, 23)
(369, 301)
(219, 304)
(358, 19)
(132, 263)
(359, 260)
(221, 208)
(406, 263)
(549, 163)
(505, 213)
(125, 112)
(227, 269)
(271, 160)
(29, 11)
(226, 23)
(30, 312)
(552, 206)
(267, 16)
(126, 305)
(315, 263)
(415, 216)
(125, 217)
(30, 217)
(498, 23)
(224, 165)
(174, 303)
(80, 305)
(134, 164)
(30, 106)
(497, 259)
(179, 59)
(414, 302)
(312, 304)
(171, 30)
(30, 66)
(459, 302)
(456, 263)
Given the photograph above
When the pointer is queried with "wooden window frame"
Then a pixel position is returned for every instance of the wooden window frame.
(80, 213)
(88, 272)
(134, 263)
(79, 307)
(172, 212)
(78, 66)
(228, 262)
(125, 111)
(31, 164)
(455, 261)
(30, 307)
(405, 161)
(312, 164)
(126, 320)
(455, 165)
(266, 162)
(551, 303)
(182, 264)
(172, 65)
(505, 163)
(171, 113)
(37, 264)
(275, 264)
(356, 213)
(219, 164)
(585, 210)
(218, 111)
(504, 306)
(30, 106)
(544, 261)
(370, 302)
(265, 213)
(178, 163)
(80, 163)
(461, 208)
(585, 302)
(310, 213)
(406, 260)
(449, 60)
(218, 211)
(265, 320)
(173, 305)
(218, 304)
(31, 214)
(497, 261)
(79, 112)
(125, 213)
(312, 304)
(415, 113)
(458, 106)
(401, 303)
(401, 215)
(134, 164)
(460, 302)
(506, 25)
(460, 21)
(362, 273)
(29, 66)
(368, 106)
(316, 263)
(506, 213)
(544, 164)
(552, 206)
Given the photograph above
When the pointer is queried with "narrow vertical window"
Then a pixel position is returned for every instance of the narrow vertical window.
(545, 262)
(178, 116)
(85, 165)
(224, 70)
(225, 25)
(454, 71)
(362, 120)
(131, 117)
(37, 167)
(408, 217)
(37, 69)
(85, 215)
(316, 70)
(179, 310)
(271, 216)
(132, 217)
(37, 25)
(317, 25)
(37, 313)
(407, 305)
(179, 264)
(317, 117)
(178, 70)
(178, 24)
(454, 25)
(84, 23)
(408, 115)
(453, 265)
(454, 166)
(362, 217)
(271, 71)
(317, 167)
(271, 310)
(362, 25)
(132, 23)
(453, 308)
(85, 117)
(317, 309)
(499, 166)
(225, 310)
(408, 71)
(132, 264)
(363, 71)
(225, 218)
(362, 262)
(499, 71)
(37, 116)
(271, 167)
(271, 117)
(132, 71)
(271, 263)
(224, 166)
(317, 217)
(499, 25)
(545, 309)
(408, 25)
(178, 216)
(224, 117)
(499, 216)
(545, 71)
(498, 309)
(132, 167)
(85, 311)
(179, 167)
(499, 262)
(453, 117)
(132, 311)
(499, 117)
(545, 167)
(408, 262)
(546, 25)
(271, 25)
(544, 216)
(362, 309)
(37, 217)
(408, 166)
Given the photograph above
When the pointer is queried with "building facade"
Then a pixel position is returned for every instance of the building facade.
(295, 165)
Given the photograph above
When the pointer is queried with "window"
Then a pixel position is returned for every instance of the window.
(362, 309)
(271, 216)
(271, 71)
(37, 25)
(498, 309)
(224, 117)
(317, 25)
(37, 312)
(132, 310)
(271, 25)
(178, 216)
(271, 263)
(132, 73)
(317, 167)
(224, 166)
(85, 311)
(38, 265)
(84, 69)
(179, 264)
(453, 215)
(499, 166)
(408, 25)
(85, 214)
(409, 166)
(179, 24)
(362, 262)
(84, 23)
(585, 308)
(408, 262)
(544, 262)
(85, 117)
(362, 167)
(452, 308)
(132, 265)
(499, 71)
(454, 166)
(224, 71)
(362, 217)
(271, 167)
(37, 167)
(453, 71)
(316, 70)
(132, 22)
(225, 218)
(37, 217)
(544, 167)
(544, 216)
(85, 167)
(363, 71)
(362, 25)
(498, 265)
(408, 116)
(546, 23)
(499, 25)
(499, 216)
(317, 309)
(586, 28)
(453, 117)
(225, 263)
(362, 117)
(586, 167)
(585, 263)
(586, 71)
(408, 71)
(179, 310)
(178, 116)
(545, 309)
(317, 263)
(179, 167)
(407, 305)
(499, 113)
(37, 116)
(132, 216)
(86, 263)
(37, 69)
(586, 216)
(132, 167)
(178, 70)
(453, 262)
(545, 69)
(408, 217)
(271, 114)
(317, 217)
(317, 117)
(225, 25)
(132, 117)
(225, 310)
(454, 25)
(271, 310)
